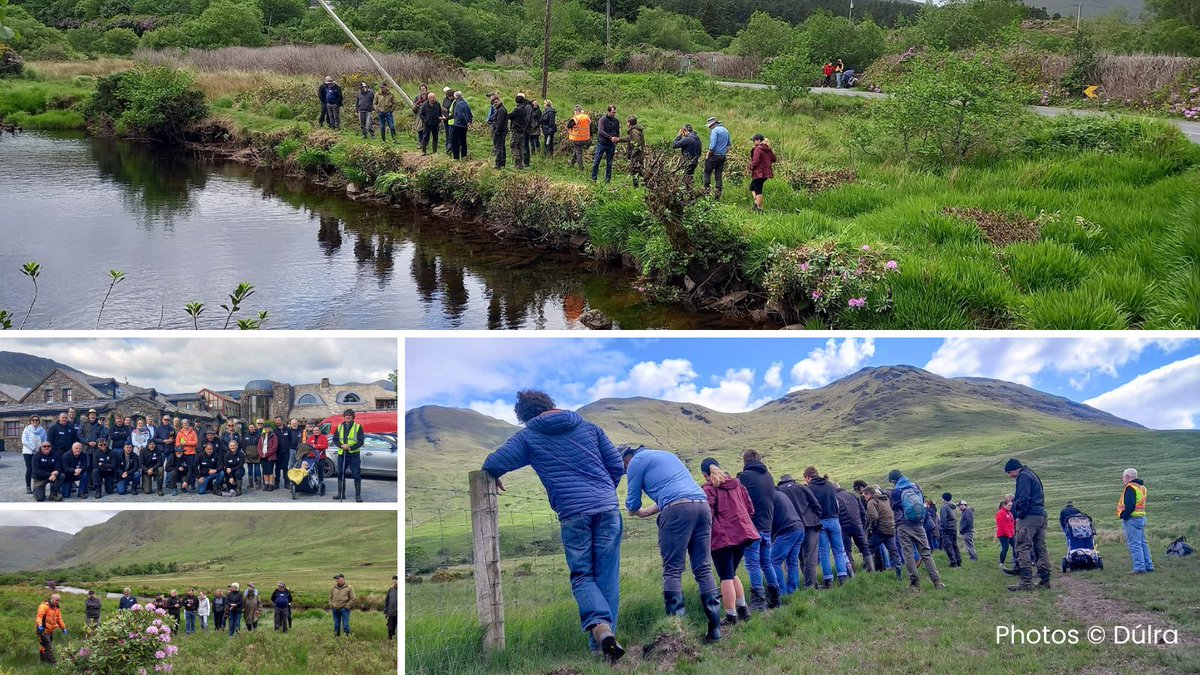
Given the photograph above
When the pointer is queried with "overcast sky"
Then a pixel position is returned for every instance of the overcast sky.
(1149, 379)
(188, 364)
(64, 521)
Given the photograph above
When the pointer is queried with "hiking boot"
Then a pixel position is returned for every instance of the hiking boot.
(841, 580)
(609, 647)
(758, 599)
(1023, 586)
(160, 492)
(673, 603)
(239, 490)
(1012, 572)
(711, 602)
(1044, 585)
(28, 490)
(773, 597)
(358, 491)
(743, 613)
(938, 585)
(729, 620)
(914, 583)
(828, 584)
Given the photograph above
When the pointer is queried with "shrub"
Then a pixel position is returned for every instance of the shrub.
(788, 76)
(536, 208)
(282, 112)
(829, 277)
(286, 147)
(313, 159)
(110, 649)
(11, 63)
(366, 162)
(151, 103)
(121, 41)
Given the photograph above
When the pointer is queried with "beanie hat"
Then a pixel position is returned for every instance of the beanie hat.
(1012, 464)
(786, 478)
(946, 496)
(707, 465)
(894, 475)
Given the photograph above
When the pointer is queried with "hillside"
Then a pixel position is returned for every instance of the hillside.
(26, 370)
(1091, 8)
(22, 548)
(303, 546)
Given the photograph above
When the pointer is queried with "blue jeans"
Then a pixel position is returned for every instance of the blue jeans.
(831, 538)
(254, 471)
(189, 622)
(603, 150)
(1135, 539)
(235, 622)
(81, 481)
(208, 482)
(349, 463)
(787, 548)
(592, 544)
(341, 621)
(126, 484)
(387, 120)
(758, 562)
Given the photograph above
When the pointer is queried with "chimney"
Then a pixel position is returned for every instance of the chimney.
(324, 382)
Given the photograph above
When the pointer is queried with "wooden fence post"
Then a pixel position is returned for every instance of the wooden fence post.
(485, 527)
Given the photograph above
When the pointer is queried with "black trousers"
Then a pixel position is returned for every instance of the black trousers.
(391, 625)
(950, 546)
(500, 148)
(715, 166)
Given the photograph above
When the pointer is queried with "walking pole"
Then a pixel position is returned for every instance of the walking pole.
(353, 38)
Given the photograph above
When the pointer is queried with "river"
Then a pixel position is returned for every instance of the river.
(186, 229)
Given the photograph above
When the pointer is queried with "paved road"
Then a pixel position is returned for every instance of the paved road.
(1190, 129)
(12, 489)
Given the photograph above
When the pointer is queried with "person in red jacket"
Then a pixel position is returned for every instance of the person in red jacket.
(733, 531)
(761, 160)
(268, 452)
(828, 74)
(1006, 529)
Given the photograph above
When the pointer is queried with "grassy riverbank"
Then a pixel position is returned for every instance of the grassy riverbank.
(1091, 224)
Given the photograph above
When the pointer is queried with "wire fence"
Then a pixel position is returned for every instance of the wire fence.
(447, 602)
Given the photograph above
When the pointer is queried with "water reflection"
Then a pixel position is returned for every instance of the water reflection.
(189, 229)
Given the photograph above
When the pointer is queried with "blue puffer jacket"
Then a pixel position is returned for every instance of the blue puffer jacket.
(574, 459)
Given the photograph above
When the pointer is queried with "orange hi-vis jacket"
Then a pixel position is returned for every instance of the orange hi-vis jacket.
(582, 131)
(50, 617)
(187, 439)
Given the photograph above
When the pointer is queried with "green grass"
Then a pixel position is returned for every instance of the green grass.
(51, 120)
(308, 648)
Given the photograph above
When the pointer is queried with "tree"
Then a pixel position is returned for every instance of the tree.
(120, 41)
(276, 12)
(825, 37)
(667, 30)
(1184, 11)
(763, 37)
(959, 24)
(227, 23)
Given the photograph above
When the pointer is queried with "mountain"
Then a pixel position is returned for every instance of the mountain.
(1091, 8)
(22, 548)
(26, 370)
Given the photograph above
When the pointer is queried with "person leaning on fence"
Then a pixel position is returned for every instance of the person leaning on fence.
(684, 527)
(579, 134)
(49, 619)
(391, 607)
(908, 501)
(341, 601)
(764, 587)
(580, 469)
(91, 610)
(733, 530)
(1029, 510)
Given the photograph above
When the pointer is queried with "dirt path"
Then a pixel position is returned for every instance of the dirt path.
(1087, 604)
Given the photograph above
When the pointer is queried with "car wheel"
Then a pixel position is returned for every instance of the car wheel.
(328, 468)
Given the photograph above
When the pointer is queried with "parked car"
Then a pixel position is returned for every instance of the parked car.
(380, 457)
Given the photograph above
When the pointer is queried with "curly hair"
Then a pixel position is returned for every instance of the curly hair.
(531, 403)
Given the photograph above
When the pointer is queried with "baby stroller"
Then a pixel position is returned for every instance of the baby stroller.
(1081, 545)
(305, 472)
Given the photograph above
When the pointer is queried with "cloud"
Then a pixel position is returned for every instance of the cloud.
(1164, 398)
(675, 380)
(773, 378)
(825, 364)
(187, 364)
(1021, 360)
(63, 521)
(500, 409)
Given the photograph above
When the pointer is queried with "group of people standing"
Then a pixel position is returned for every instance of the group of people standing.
(133, 456)
(838, 75)
(790, 534)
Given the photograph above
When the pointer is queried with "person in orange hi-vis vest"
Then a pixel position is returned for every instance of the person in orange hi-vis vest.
(49, 619)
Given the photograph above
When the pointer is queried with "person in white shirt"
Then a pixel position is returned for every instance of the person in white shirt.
(32, 438)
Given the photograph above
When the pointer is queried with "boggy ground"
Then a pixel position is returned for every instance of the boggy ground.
(1051, 234)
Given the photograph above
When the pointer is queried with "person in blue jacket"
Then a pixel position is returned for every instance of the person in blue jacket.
(128, 600)
(684, 526)
(460, 120)
(580, 469)
(718, 149)
(1029, 509)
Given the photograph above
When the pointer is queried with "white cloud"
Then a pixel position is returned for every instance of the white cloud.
(187, 364)
(500, 409)
(1164, 398)
(1021, 360)
(675, 380)
(825, 364)
(773, 378)
(63, 521)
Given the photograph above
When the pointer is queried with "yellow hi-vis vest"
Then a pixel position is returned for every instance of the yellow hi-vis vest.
(1139, 508)
(582, 131)
(343, 441)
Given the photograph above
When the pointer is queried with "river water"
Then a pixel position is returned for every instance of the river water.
(188, 229)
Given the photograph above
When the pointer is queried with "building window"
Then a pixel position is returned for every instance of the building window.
(259, 407)
(12, 429)
(66, 395)
(385, 404)
(309, 399)
(48, 396)
(349, 397)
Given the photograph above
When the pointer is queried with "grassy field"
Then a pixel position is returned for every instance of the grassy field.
(1122, 251)
(308, 648)
(872, 624)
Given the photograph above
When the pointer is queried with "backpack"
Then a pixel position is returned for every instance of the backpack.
(912, 503)
(1180, 548)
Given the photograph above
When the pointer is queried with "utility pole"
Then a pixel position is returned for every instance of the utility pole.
(607, 28)
(1078, 15)
(850, 15)
(546, 51)
(364, 50)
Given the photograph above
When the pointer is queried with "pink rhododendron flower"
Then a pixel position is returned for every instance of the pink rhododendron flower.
(153, 630)
(136, 607)
(892, 264)
(858, 302)
(866, 248)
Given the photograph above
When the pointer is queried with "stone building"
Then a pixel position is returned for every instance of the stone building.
(266, 398)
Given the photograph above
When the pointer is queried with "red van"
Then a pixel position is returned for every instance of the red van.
(372, 421)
